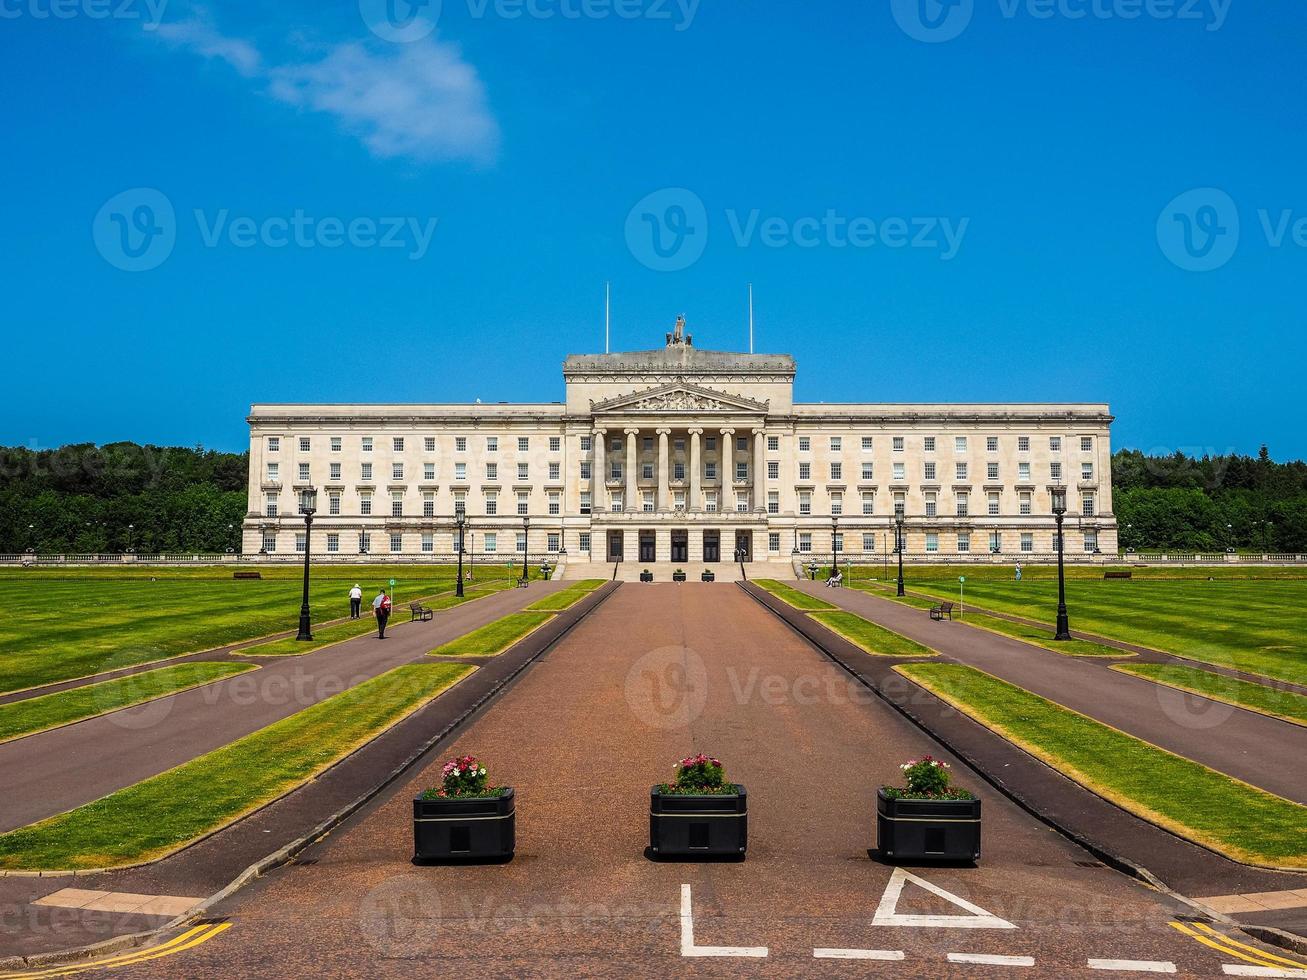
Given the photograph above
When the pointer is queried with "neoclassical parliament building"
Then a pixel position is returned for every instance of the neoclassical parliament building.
(680, 455)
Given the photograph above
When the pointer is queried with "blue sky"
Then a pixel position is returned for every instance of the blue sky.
(995, 200)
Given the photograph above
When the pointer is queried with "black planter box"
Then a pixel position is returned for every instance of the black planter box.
(678, 576)
(927, 830)
(714, 824)
(707, 576)
(447, 829)
(646, 576)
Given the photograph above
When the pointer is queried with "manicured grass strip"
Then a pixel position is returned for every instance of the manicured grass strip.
(871, 637)
(494, 637)
(888, 592)
(1222, 813)
(1042, 637)
(323, 636)
(34, 715)
(1285, 705)
(161, 814)
(567, 597)
(786, 593)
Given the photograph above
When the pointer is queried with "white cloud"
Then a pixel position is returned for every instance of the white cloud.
(420, 100)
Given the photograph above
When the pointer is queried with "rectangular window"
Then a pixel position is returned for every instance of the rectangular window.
(868, 504)
(397, 471)
(523, 471)
(805, 444)
(428, 542)
(710, 501)
(555, 445)
(1027, 541)
(710, 471)
(519, 543)
(837, 542)
(551, 541)
(837, 471)
(460, 502)
(963, 502)
(741, 472)
(554, 470)
(429, 444)
(928, 444)
(585, 505)
(615, 444)
(805, 542)
(773, 444)
(333, 471)
(365, 504)
(1087, 505)
(365, 444)
(615, 503)
(273, 471)
(647, 501)
(805, 503)
(428, 471)
(1091, 542)
(960, 471)
(964, 542)
(931, 505)
(333, 504)
(837, 503)
(397, 444)
(805, 471)
(773, 542)
(868, 470)
(742, 444)
(646, 471)
(587, 470)
(492, 444)
(928, 471)
(1086, 471)
(773, 469)
(335, 444)
(396, 543)
(1086, 444)
(897, 444)
(1055, 444)
(835, 444)
(584, 540)
(991, 444)
(397, 504)
(1023, 444)
(959, 444)
(523, 444)
(932, 542)
(1024, 503)
(492, 503)
(270, 505)
(460, 471)
(299, 542)
(709, 443)
(678, 499)
(742, 503)
(304, 444)
(523, 504)
(460, 444)
(900, 471)
(304, 472)
(490, 542)
(773, 502)
(995, 542)
(365, 471)
(269, 541)
(1023, 472)
(991, 471)
(868, 542)
(1055, 471)
(866, 444)
(555, 504)
(274, 444)
(615, 471)
(428, 505)
(993, 504)
(585, 448)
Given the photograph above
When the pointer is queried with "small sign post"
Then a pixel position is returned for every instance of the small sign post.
(392, 591)
(962, 581)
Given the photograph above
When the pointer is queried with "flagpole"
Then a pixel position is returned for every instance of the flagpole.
(750, 318)
(606, 316)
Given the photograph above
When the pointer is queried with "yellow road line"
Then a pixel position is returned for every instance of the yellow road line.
(187, 940)
(1224, 944)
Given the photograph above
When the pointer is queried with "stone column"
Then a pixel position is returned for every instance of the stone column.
(692, 502)
(727, 458)
(663, 501)
(632, 472)
(759, 470)
(599, 475)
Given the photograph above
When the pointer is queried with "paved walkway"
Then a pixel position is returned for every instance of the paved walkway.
(654, 673)
(1221, 736)
(61, 769)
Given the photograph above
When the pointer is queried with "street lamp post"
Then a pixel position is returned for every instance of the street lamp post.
(1059, 512)
(308, 506)
(834, 544)
(898, 542)
(460, 523)
(526, 550)
(131, 528)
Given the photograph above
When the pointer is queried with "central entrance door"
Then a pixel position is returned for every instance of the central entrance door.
(712, 546)
(680, 546)
(614, 545)
(744, 545)
(646, 546)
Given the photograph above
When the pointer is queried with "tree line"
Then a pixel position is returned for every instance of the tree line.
(85, 498)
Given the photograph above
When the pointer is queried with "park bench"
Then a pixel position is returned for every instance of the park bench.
(1126, 574)
(247, 575)
(419, 612)
(940, 610)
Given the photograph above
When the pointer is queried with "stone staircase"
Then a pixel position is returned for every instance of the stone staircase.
(662, 571)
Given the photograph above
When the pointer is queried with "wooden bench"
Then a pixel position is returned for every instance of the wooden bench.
(940, 610)
(247, 575)
(419, 612)
(1118, 574)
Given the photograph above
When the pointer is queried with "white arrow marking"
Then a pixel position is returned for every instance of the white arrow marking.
(887, 914)
(688, 948)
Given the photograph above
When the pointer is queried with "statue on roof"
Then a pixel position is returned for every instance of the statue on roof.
(678, 337)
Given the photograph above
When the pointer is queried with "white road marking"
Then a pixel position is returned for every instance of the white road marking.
(1239, 970)
(1134, 966)
(887, 914)
(688, 948)
(991, 959)
(857, 954)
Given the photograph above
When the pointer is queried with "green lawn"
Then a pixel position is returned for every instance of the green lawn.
(493, 638)
(1042, 637)
(33, 715)
(1250, 620)
(162, 814)
(1240, 821)
(567, 597)
(1255, 697)
(786, 593)
(65, 623)
(871, 637)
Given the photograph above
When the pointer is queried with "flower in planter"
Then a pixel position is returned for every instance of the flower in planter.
(463, 777)
(927, 778)
(700, 774)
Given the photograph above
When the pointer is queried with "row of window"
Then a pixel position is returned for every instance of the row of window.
(928, 444)
(394, 540)
(962, 542)
(397, 444)
(397, 470)
(930, 471)
(554, 503)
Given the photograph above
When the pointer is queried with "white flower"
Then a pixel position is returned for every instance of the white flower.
(483, 772)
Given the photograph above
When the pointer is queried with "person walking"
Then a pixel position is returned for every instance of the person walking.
(381, 609)
(1018, 571)
(356, 602)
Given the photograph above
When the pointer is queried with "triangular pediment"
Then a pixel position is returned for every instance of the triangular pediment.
(679, 397)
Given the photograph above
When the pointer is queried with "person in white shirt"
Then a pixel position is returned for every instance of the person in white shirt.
(356, 602)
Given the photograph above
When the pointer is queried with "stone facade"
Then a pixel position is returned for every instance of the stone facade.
(681, 455)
